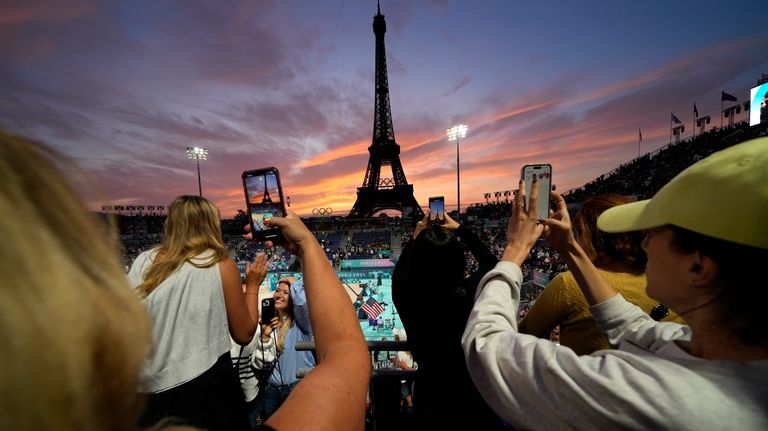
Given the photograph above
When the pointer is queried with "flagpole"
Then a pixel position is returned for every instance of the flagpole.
(639, 140)
(721, 111)
(694, 120)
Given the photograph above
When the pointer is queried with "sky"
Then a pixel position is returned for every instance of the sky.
(123, 88)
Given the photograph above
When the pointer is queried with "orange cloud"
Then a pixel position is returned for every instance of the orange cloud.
(354, 149)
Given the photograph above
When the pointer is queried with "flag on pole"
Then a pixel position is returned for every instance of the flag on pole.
(372, 308)
(640, 134)
(675, 119)
(695, 111)
(727, 97)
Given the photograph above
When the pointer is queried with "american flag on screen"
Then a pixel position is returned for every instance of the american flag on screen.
(372, 308)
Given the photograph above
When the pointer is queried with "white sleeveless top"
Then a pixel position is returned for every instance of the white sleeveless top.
(189, 322)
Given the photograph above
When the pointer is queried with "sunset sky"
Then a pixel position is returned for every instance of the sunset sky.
(124, 87)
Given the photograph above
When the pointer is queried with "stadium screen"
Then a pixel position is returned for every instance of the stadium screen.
(758, 96)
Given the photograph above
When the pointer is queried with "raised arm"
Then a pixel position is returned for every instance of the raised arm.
(533, 383)
(242, 310)
(485, 258)
(300, 307)
(332, 396)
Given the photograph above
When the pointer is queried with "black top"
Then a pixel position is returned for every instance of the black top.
(434, 318)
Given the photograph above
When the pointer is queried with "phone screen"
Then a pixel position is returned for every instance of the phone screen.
(264, 198)
(543, 173)
(437, 208)
(267, 309)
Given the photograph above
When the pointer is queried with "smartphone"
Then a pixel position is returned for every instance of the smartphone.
(264, 199)
(543, 175)
(437, 208)
(267, 310)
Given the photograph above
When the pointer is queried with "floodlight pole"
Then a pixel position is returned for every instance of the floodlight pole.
(197, 154)
(455, 134)
(199, 181)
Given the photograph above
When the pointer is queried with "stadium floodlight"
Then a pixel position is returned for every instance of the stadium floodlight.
(197, 154)
(455, 133)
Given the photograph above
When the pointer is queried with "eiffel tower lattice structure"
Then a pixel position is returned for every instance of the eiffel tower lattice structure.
(266, 199)
(378, 193)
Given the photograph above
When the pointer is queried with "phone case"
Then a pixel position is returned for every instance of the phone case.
(267, 310)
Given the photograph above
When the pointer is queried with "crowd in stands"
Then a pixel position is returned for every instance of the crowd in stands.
(644, 176)
(342, 238)
(140, 233)
(241, 250)
(488, 211)
(373, 244)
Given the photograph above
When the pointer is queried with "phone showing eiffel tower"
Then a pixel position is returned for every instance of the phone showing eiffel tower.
(264, 198)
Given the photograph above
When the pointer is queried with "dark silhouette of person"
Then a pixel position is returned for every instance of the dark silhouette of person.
(429, 286)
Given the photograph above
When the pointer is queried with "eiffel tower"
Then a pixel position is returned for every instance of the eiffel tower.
(378, 193)
(266, 199)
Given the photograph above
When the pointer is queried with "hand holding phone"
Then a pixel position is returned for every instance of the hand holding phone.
(264, 199)
(267, 310)
(449, 223)
(543, 175)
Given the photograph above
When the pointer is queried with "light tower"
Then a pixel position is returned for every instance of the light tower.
(455, 133)
(197, 154)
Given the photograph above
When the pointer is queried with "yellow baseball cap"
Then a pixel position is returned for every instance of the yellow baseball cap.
(723, 196)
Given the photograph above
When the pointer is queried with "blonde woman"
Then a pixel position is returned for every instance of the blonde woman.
(73, 334)
(192, 290)
(293, 326)
(254, 360)
(332, 396)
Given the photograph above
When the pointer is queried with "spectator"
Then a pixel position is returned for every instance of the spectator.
(254, 361)
(332, 396)
(620, 261)
(704, 227)
(294, 326)
(192, 290)
(73, 333)
(428, 289)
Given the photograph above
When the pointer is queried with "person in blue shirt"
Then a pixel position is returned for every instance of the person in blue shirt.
(294, 326)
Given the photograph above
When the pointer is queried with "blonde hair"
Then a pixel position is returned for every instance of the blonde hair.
(287, 321)
(72, 331)
(192, 227)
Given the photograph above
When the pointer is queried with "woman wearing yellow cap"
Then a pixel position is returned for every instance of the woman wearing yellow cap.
(707, 233)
